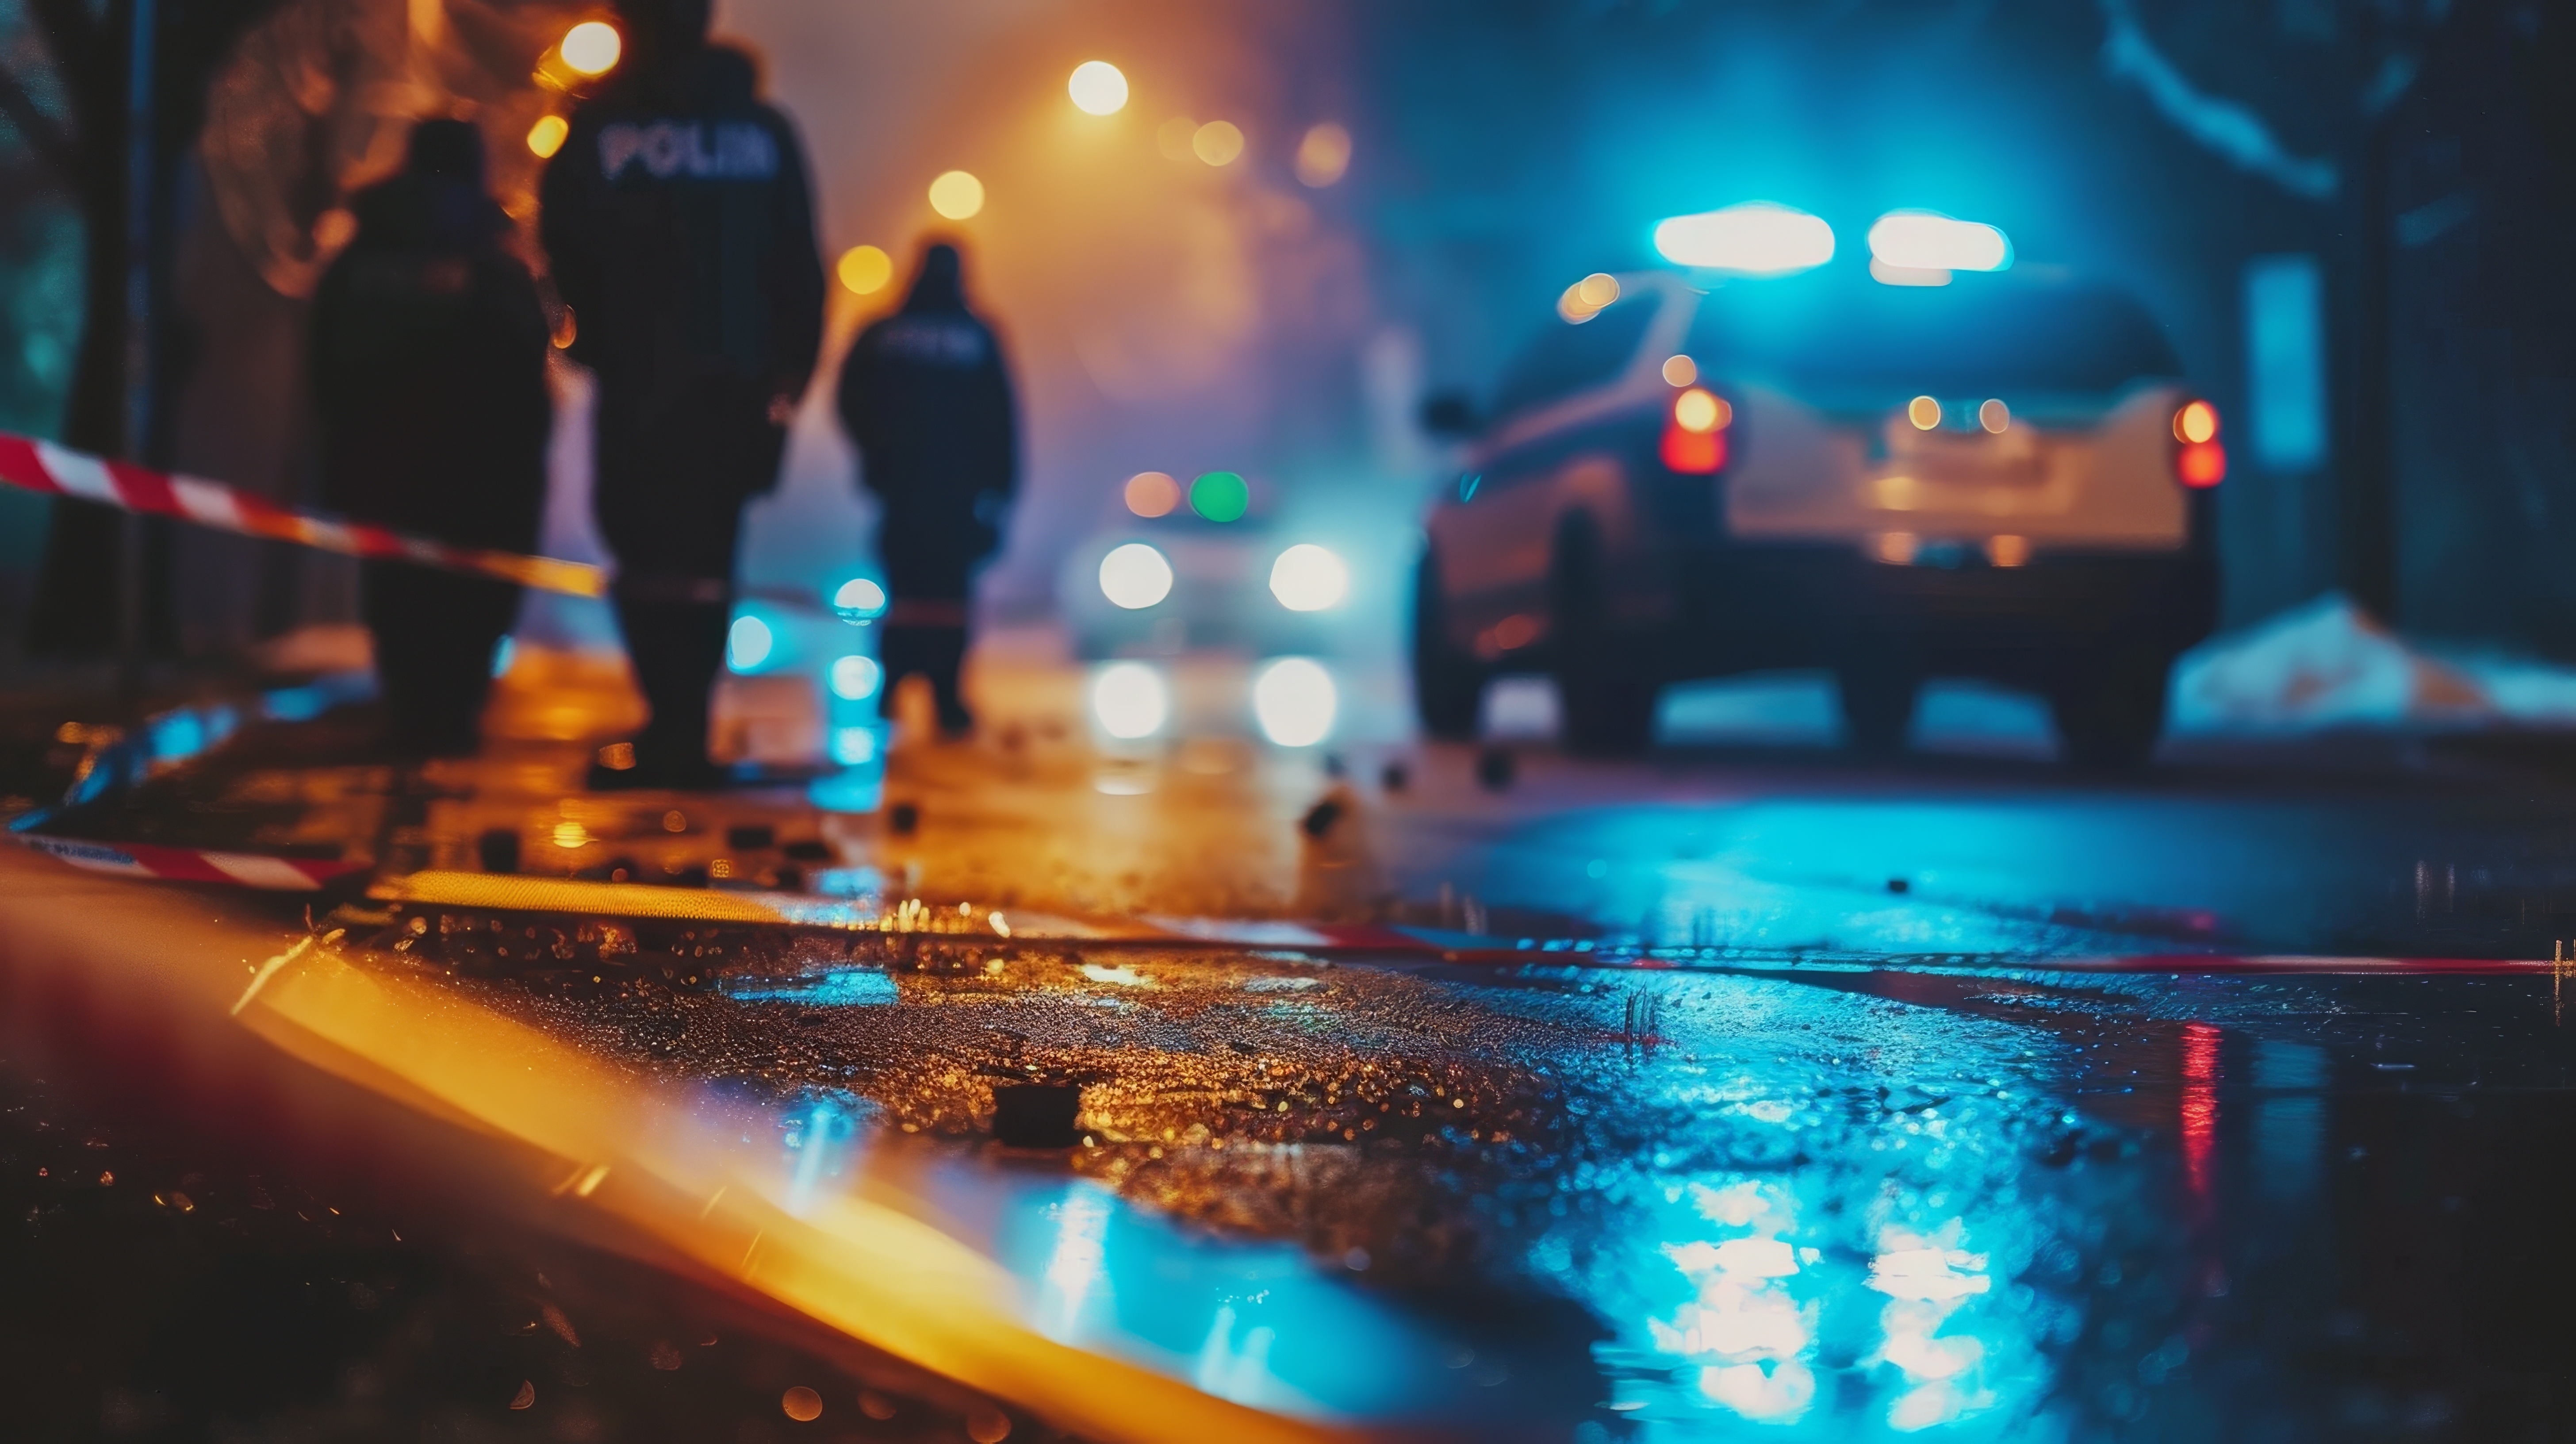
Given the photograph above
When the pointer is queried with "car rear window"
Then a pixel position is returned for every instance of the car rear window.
(1568, 358)
(1835, 342)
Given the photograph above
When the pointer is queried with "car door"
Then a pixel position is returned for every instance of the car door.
(1494, 534)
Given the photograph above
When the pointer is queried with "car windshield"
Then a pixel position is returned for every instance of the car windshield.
(1566, 358)
(1838, 343)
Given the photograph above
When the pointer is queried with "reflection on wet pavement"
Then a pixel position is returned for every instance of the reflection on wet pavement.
(1852, 1159)
(1831, 1202)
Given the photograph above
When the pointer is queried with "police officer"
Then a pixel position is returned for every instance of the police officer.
(682, 239)
(429, 376)
(927, 397)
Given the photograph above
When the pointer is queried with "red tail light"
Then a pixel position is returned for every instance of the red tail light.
(1695, 433)
(2199, 462)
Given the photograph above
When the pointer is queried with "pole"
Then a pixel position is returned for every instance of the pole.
(142, 170)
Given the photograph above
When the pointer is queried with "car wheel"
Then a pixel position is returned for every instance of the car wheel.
(1605, 692)
(1878, 706)
(1448, 686)
(2110, 715)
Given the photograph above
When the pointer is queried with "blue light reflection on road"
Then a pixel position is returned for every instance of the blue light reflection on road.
(2043, 874)
(1840, 1237)
(833, 988)
(1260, 1324)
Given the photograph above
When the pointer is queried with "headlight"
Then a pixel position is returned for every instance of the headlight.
(1294, 701)
(1135, 576)
(1130, 700)
(1307, 578)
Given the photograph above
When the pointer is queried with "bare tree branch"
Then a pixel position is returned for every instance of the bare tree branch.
(2231, 129)
(51, 143)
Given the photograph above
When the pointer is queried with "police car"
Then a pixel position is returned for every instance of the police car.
(2004, 477)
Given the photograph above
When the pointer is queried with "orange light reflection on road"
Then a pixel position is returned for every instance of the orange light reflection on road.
(870, 1263)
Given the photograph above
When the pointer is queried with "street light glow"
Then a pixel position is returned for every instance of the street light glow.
(1218, 142)
(1757, 238)
(547, 136)
(1323, 155)
(592, 47)
(957, 195)
(1097, 88)
(864, 270)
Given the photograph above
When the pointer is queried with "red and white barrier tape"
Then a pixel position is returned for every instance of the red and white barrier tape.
(42, 466)
(187, 864)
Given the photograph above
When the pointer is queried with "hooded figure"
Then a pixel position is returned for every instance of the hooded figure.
(428, 361)
(681, 233)
(927, 396)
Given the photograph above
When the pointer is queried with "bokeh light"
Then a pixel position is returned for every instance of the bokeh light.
(1218, 142)
(1152, 494)
(1586, 298)
(1680, 371)
(859, 599)
(2196, 422)
(1757, 238)
(1931, 241)
(592, 47)
(1700, 410)
(748, 644)
(1323, 155)
(547, 136)
(1294, 700)
(1135, 576)
(1130, 700)
(1309, 578)
(1924, 412)
(1995, 416)
(957, 195)
(856, 678)
(1887, 275)
(1221, 496)
(1097, 88)
(854, 746)
(864, 270)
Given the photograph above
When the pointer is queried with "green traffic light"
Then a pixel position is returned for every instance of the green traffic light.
(1220, 496)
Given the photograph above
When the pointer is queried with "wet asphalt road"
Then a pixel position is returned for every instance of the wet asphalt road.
(1851, 1160)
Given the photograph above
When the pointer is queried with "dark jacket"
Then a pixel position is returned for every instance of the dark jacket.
(926, 394)
(428, 359)
(681, 231)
